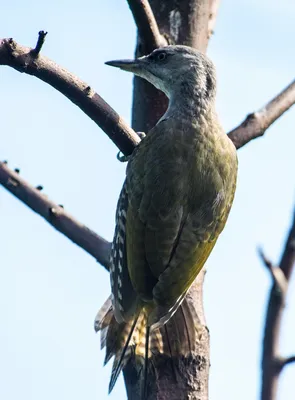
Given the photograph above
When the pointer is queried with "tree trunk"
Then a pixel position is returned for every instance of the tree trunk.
(181, 377)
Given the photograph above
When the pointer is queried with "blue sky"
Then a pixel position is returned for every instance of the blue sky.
(50, 289)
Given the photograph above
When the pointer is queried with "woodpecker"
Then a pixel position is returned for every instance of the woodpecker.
(179, 188)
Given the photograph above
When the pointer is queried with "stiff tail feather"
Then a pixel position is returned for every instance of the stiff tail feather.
(145, 366)
(120, 359)
(121, 340)
(134, 338)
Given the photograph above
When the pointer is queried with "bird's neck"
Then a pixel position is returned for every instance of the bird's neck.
(191, 102)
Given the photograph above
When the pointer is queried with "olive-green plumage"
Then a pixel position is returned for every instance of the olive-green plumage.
(179, 188)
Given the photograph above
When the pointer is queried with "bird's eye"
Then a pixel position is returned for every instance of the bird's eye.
(161, 56)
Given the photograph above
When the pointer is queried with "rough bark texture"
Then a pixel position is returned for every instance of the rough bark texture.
(214, 4)
(177, 378)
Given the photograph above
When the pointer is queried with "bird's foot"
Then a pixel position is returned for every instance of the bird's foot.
(142, 135)
(121, 157)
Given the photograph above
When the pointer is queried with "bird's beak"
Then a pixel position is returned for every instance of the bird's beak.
(134, 66)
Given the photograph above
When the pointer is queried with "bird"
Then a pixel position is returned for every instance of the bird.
(178, 191)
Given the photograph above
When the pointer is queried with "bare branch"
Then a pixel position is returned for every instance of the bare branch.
(24, 59)
(256, 123)
(94, 244)
(271, 364)
(266, 261)
(288, 360)
(40, 42)
(288, 257)
(214, 4)
(147, 26)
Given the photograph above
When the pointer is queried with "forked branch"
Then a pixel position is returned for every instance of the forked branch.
(272, 363)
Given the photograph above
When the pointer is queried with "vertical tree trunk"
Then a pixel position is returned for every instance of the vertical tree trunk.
(181, 22)
(186, 377)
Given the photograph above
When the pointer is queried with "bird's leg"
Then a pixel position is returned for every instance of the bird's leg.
(121, 157)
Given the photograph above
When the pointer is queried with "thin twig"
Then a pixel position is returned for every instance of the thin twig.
(266, 261)
(277, 274)
(147, 25)
(288, 257)
(40, 42)
(21, 59)
(54, 214)
(288, 360)
(271, 361)
(214, 4)
(256, 123)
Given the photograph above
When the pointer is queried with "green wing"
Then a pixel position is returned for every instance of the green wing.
(179, 200)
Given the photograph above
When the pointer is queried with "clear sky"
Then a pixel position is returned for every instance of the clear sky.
(50, 289)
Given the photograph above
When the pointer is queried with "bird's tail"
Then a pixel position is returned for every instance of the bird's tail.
(178, 336)
(121, 340)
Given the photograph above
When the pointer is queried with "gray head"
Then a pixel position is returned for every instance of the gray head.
(175, 69)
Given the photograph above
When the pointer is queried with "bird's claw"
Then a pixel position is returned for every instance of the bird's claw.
(121, 157)
(142, 135)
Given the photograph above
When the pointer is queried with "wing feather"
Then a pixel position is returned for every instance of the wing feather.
(124, 297)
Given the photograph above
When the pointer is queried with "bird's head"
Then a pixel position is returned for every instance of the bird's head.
(173, 67)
